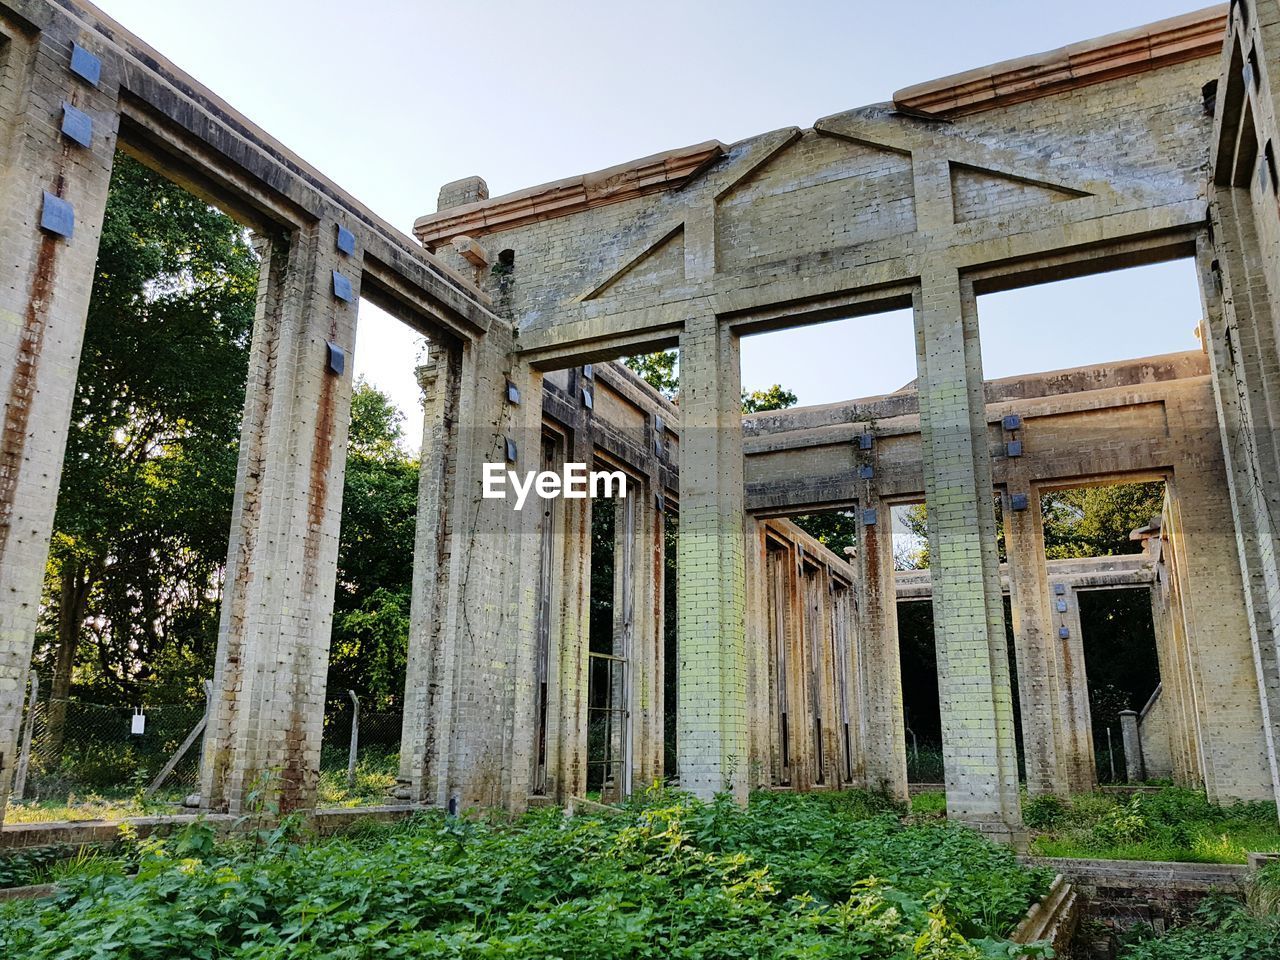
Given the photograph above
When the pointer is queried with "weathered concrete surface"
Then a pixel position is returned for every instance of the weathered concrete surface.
(874, 209)
(274, 639)
(1077, 161)
(1239, 277)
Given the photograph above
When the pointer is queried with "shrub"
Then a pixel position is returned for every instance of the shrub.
(1044, 811)
(668, 878)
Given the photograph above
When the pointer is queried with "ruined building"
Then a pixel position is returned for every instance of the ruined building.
(1139, 147)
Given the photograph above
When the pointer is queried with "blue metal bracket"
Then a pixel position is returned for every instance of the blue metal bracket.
(57, 216)
(85, 65)
(77, 125)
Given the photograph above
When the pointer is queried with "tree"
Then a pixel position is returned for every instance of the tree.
(375, 553)
(1097, 521)
(144, 507)
(770, 398)
(661, 370)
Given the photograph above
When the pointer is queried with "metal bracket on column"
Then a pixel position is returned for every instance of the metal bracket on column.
(865, 440)
(513, 394)
(1019, 501)
(511, 450)
(336, 358)
(57, 216)
(866, 472)
(342, 288)
(77, 125)
(346, 241)
(85, 65)
(869, 516)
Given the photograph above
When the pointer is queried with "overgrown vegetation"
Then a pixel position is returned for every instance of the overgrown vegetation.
(1223, 928)
(1171, 824)
(836, 875)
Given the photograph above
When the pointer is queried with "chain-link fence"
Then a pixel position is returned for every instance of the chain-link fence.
(368, 775)
(80, 749)
(72, 751)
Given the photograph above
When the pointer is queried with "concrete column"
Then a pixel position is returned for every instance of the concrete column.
(1173, 676)
(485, 753)
(1073, 690)
(1035, 643)
(1246, 373)
(273, 644)
(1233, 743)
(1133, 767)
(712, 713)
(429, 658)
(884, 748)
(979, 752)
(45, 282)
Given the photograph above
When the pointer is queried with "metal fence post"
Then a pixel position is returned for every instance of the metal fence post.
(355, 739)
(28, 730)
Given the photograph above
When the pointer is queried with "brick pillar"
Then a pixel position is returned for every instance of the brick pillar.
(979, 752)
(1133, 766)
(712, 697)
(430, 656)
(1035, 641)
(45, 281)
(277, 605)
(1073, 688)
(884, 747)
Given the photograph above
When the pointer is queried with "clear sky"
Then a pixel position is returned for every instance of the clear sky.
(392, 98)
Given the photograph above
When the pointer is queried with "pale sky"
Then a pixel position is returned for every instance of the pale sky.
(391, 99)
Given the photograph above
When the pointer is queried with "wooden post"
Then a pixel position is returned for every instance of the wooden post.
(28, 730)
(196, 731)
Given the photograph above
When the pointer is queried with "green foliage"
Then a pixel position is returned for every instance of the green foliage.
(1171, 824)
(375, 775)
(144, 506)
(830, 876)
(834, 530)
(774, 397)
(929, 803)
(1097, 521)
(1221, 930)
(1042, 812)
(375, 553)
(661, 370)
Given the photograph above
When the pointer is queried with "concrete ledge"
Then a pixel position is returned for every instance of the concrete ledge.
(1054, 918)
(662, 171)
(24, 836)
(1187, 37)
(34, 892)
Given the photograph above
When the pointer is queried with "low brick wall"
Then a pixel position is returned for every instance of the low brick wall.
(79, 833)
(1122, 893)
